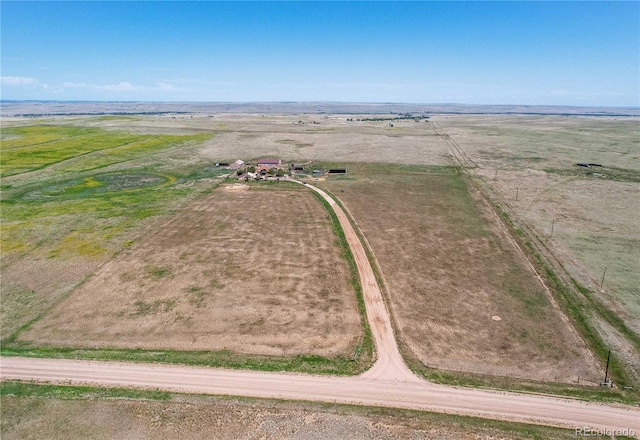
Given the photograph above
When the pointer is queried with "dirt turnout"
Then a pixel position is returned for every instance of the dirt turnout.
(254, 272)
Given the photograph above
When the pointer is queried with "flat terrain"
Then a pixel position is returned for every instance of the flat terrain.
(522, 148)
(298, 137)
(250, 271)
(60, 414)
(462, 297)
(595, 210)
(414, 394)
(74, 196)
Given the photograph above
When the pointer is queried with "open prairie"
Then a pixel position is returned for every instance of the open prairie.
(462, 297)
(595, 211)
(300, 137)
(72, 196)
(430, 232)
(587, 217)
(249, 271)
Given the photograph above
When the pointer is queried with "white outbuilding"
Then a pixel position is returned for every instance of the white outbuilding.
(237, 165)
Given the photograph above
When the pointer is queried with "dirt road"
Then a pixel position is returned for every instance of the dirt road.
(389, 364)
(361, 390)
(389, 383)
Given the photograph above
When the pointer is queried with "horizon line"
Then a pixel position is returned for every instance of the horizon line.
(310, 102)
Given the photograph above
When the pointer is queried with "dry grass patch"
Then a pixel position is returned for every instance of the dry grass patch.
(450, 270)
(301, 137)
(42, 411)
(254, 272)
(594, 210)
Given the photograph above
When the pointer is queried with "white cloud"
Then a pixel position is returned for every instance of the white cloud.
(72, 85)
(165, 86)
(120, 87)
(18, 81)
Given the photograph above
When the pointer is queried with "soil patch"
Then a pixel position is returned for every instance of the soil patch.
(450, 269)
(253, 272)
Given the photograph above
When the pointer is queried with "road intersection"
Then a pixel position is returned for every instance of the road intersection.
(388, 383)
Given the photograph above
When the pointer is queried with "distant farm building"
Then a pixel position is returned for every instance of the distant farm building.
(237, 165)
(222, 164)
(269, 163)
(337, 171)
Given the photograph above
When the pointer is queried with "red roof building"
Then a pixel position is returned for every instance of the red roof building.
(269, 162)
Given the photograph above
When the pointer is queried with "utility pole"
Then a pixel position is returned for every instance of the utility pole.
(517, 194)
(553, 220)
(603, 274)
(606, 371)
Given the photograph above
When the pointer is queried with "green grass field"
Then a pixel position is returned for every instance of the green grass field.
(30, 148)
(81, 211)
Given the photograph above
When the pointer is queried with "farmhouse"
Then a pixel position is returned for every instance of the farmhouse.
(269, 163)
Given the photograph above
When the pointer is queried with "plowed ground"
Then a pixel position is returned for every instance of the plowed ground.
(250, 271)
(462, 297)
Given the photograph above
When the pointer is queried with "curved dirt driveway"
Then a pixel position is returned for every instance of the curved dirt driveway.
(389, 363)
(389, 383)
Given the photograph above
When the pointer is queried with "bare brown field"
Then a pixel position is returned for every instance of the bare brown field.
(253, 272)
(462, 297)
(595, 211)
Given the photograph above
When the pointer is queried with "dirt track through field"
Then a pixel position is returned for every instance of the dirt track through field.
(389, 383)
(389, 364)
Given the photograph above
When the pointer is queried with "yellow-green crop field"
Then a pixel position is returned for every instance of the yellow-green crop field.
(72, 195)
(35, 147)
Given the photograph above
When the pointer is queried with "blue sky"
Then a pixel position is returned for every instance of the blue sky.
(531, 53)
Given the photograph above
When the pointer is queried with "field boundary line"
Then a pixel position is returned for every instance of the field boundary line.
(565, 287)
